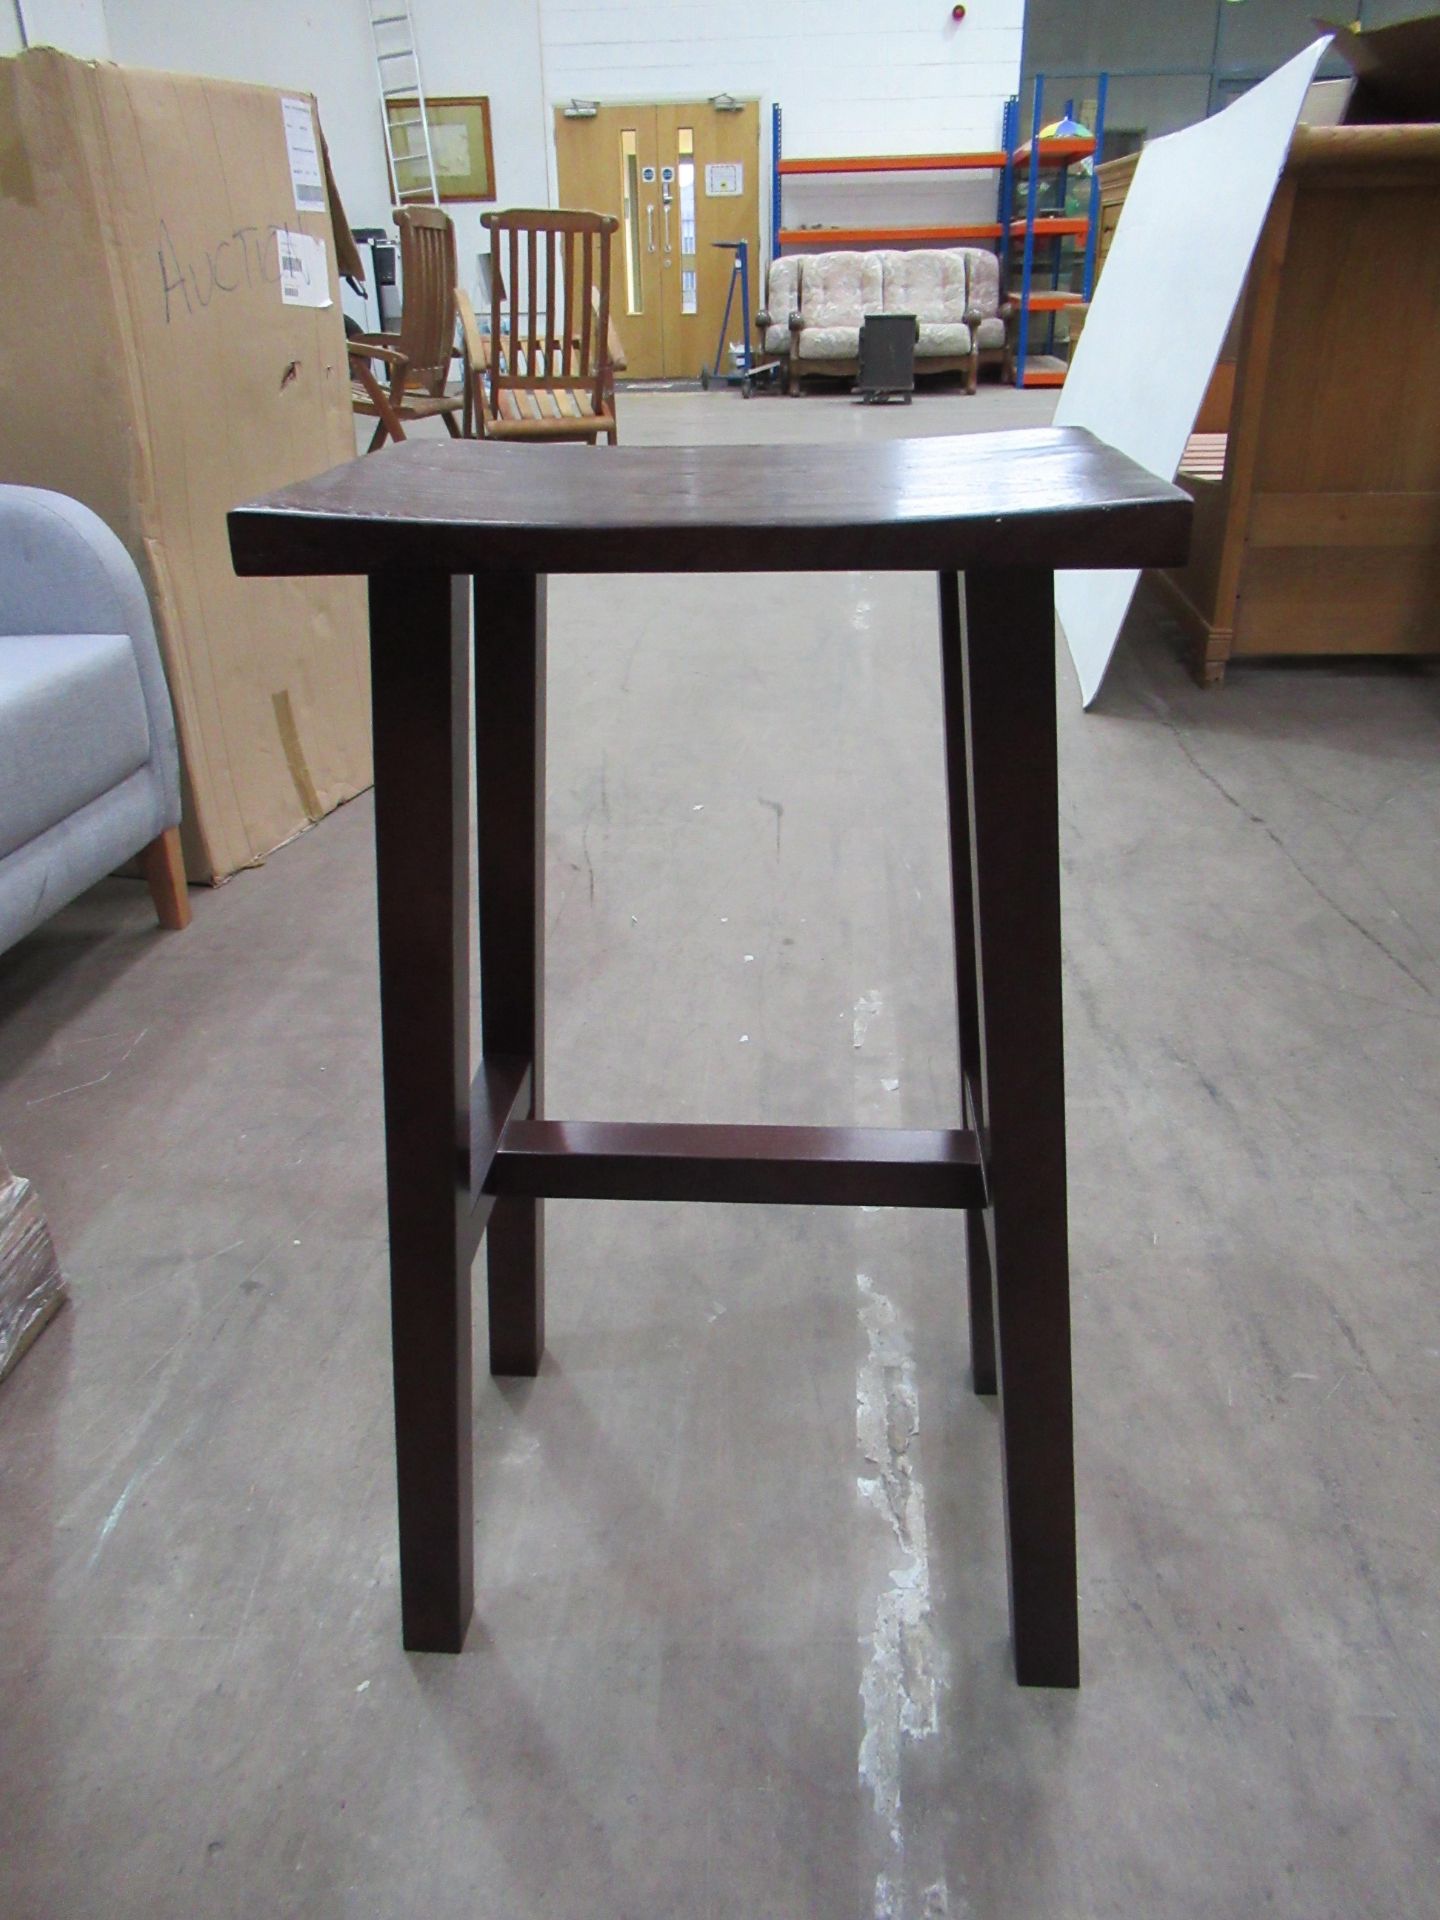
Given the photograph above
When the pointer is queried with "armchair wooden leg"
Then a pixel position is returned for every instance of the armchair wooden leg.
(165, 877)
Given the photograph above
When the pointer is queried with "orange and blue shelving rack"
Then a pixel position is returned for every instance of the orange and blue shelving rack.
(1032, 233)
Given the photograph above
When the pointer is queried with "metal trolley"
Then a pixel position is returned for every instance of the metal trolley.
(751, 372)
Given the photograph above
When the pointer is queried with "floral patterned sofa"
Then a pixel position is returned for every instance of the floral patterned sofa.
(815, 304)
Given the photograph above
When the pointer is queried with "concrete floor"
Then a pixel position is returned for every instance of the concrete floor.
(741, 1646)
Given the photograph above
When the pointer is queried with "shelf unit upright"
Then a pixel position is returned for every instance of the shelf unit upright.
(1048, 230)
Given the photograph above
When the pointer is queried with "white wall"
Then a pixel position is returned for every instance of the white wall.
(322, 48)
(75, 26)
(853, 76)
(491, 47)
(478, 46)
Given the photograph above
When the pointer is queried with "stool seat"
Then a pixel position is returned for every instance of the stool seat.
(447, 530)
(952, 501)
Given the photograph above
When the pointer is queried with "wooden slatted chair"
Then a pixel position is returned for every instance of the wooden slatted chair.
(546, 371)
(419, 356)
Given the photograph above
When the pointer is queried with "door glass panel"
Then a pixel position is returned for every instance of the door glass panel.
(685, 172)
(630, 200)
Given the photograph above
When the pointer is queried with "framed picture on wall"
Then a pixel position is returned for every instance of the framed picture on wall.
(459, 140)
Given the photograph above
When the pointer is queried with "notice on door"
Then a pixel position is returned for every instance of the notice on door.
(724, 179)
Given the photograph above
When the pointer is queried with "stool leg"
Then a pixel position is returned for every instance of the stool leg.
(419, 648)
(1009, 662)
(510, 815)
(962, 896)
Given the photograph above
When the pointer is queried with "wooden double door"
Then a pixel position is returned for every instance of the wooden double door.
(678, 178)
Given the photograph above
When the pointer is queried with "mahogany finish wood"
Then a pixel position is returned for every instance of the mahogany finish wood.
(510, 816)
(967, 989)
(977, 499)
(501, 1091)
(803, 1166)
(473, 1156)
(420, 669)
(1008, 661)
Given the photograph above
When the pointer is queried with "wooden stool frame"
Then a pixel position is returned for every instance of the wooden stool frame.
(472, 1158)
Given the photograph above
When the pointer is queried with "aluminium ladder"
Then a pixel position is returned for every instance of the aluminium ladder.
(397, 69)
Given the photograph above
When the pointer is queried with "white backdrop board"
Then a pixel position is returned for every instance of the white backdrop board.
(1154, 332)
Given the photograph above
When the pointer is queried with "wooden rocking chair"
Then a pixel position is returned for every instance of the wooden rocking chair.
(546, 371)
(419, 356)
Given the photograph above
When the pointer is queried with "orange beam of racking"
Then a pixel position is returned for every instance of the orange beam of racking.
(1057, 152)
(898, 236)
(897, 163)
(1050, 225)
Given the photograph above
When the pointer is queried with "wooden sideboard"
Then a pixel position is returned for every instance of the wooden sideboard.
(1317, 515)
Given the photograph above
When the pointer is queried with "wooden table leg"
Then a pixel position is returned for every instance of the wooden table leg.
(962, 897)
(1009, 659)
(419, 650)
(510, 815)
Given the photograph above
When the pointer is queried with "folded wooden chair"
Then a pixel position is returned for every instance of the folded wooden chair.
(419, 356)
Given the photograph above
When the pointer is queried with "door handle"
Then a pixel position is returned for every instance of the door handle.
(650, 226)
(667, 226)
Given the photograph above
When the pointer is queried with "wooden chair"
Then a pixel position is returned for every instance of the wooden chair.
(419, 355)
(547, 370)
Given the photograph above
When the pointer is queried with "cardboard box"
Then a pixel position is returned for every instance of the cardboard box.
(1397, 73)
(165, 241)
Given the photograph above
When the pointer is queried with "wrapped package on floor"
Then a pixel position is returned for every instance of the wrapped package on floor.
(31, 1285)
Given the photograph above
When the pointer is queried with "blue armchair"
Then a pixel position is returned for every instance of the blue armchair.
(89, 770)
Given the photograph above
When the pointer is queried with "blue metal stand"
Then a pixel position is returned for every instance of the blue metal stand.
(1027, 263)
(747, 373)
(1093, 236)
(1010, 140)
(775, 181)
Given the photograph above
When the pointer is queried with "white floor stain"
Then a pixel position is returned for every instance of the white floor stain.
(867, 1008)
(112, 1519)
(890, 1901)
(903, 1676)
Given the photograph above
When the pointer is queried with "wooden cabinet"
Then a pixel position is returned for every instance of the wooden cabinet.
(1317, 488)
(1114, 177)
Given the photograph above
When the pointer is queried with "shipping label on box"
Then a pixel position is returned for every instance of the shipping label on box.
(304, 270)
(307, 175)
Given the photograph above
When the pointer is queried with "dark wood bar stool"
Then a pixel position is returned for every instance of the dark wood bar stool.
(431, 524)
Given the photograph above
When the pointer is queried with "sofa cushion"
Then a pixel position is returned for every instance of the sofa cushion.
(930, 283)
(777, 339)
(72, 725)
(830, 343)
(782, 291)
(839, 289)
(983, 282)
(990, 334)
(943, 338)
